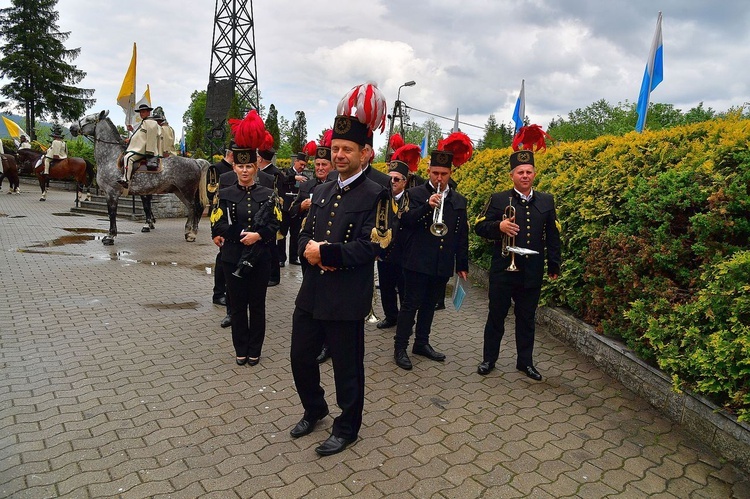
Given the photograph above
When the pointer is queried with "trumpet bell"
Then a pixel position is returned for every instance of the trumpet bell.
(438, 229)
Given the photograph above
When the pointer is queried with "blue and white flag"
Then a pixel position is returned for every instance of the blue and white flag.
(425, 144)
(520, 111)
(182, 143)
(653, 75)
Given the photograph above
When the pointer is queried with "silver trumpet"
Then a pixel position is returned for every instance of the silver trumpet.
(438, 228)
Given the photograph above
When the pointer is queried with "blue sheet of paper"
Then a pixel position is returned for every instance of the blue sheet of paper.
(458, 294)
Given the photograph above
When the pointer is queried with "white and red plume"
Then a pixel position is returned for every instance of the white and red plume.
(367, 103)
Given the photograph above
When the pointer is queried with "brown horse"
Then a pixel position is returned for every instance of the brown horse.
(10, 170)
(79, 169)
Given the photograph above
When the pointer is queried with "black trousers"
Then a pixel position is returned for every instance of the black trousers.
(525, 302)
(295, 225)
(248, 307)
(391, 281)
(220, 287)
(421, 294)
(283, 230)
(346, 343)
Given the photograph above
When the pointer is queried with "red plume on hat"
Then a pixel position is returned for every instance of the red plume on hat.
(460, 145)
(326, 138)
(310, 148)
(531, 137)
(267, 144)
(249, 132)
(409, 154)
(396, 141)
(367, 103)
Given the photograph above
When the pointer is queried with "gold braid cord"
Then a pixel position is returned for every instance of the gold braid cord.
(381, 233)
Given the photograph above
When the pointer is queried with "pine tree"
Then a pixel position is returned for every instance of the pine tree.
(272, 125)
(299, 131)
(36, 62)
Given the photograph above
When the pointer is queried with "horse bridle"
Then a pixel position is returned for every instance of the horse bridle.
(94, 139)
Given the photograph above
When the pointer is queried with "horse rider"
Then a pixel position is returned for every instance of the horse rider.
(143, 144)
(57, 150)
(167, 133)
(23, 143)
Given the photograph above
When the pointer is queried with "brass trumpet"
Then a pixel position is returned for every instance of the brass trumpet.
(509, 241)
(438, 227)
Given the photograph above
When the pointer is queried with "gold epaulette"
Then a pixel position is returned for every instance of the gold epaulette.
(483, 216)
(381, 233)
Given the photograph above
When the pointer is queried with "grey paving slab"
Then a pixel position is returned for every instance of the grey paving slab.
(117, 381)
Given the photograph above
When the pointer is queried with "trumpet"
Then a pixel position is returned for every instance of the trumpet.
(438, 227)
(509, 241)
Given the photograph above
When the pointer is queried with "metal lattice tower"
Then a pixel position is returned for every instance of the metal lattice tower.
(233, 66)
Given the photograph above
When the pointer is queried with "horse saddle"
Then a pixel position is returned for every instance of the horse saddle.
(152, 163)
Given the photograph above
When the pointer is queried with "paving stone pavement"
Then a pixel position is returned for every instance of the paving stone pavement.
(117, 381)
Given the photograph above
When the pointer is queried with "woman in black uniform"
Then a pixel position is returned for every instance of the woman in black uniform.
(235, 226)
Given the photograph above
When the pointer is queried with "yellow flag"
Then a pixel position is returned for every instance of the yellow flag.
(126, 97)
(146, 99)
(14, 130)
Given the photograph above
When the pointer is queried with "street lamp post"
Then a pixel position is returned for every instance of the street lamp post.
(396, 106)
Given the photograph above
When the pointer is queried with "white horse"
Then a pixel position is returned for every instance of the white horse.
(184, 177)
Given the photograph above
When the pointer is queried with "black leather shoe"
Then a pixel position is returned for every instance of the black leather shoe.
(305, 426)
(385, 324)
(294, 262)
(333, 445)
(440, 306)
(253, 362)
(222, 300)
(531, 372)
(323, 355)
(241, 361)
(485, 368)
(428, 351)
(282, 264)
(273, 283)
(402, 360)
(226, 321)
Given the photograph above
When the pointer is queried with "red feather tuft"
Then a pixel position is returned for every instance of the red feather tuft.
(310, 148)
(409, 154)
(396, 141)
(531, 137)
(267, 144)
(249, 132)
(325, 141)
(460, 145)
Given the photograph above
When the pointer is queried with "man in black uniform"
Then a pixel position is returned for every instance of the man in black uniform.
(535, 227)
(390, 273)
(429, 260)
(336, 292)
(274, 179)
(295, 177)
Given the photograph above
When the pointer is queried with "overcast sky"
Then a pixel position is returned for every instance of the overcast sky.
(467, 54)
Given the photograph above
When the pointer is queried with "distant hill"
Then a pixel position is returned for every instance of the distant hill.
(19, 120)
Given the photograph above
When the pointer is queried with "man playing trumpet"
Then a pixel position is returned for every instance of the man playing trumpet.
(533, 227)
(435, 239)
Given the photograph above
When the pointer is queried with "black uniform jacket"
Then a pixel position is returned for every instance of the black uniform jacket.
(344, 218)
(237, 206)
(537, 220)
(393, 253)
(428, 254)
(277, 182)
(305, 189)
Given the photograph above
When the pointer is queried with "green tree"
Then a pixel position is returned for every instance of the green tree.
(42, 80)
(272, 125)
(195, 122)
(698, 114)
(284, 150)
(496, 136)
(298, 132)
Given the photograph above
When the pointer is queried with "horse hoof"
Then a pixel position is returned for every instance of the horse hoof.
(42, 199)
(151, 226)
(145, 229)
(190, 238)
(108, 241)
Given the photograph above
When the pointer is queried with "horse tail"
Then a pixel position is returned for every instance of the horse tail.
(202, 187)
(90, 173)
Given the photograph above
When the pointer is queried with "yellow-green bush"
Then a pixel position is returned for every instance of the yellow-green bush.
(646, 219)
